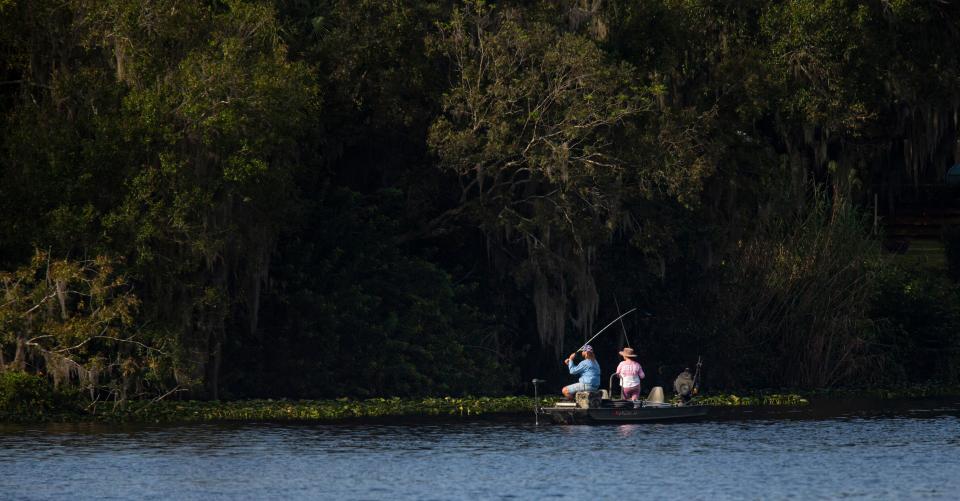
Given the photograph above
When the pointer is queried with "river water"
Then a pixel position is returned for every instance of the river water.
(880, 450)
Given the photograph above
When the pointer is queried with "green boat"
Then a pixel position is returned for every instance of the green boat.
(623, 411)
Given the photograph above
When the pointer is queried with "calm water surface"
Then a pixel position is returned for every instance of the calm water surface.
(893, 450)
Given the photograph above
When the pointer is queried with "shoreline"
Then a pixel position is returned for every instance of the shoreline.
(345, 409)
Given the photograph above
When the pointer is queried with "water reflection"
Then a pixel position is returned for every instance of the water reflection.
(627, 430)
(890, 450)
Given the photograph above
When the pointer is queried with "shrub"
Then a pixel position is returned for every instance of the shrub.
(381, 322)
(25, 395)
(951, 243)
(28, 397)
(795, 309)
(917, 315)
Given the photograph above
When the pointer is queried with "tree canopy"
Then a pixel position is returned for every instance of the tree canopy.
(318, 198)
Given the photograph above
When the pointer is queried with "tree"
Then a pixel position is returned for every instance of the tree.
(354, 313)
(530, 128)
(217, 121)
(75, 322)
(169, 136)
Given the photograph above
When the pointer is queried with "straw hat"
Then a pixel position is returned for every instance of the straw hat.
(628, 352)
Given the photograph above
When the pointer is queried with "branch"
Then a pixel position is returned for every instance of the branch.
(432, 227)
(167, 394)
(112, 338)
(161, 397)
(32, 341)
(24, 82)
(42, 301)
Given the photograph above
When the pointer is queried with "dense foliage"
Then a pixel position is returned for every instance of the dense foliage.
(320, 198)
(28, 397)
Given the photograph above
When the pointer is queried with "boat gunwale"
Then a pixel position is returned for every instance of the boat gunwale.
(610, 414)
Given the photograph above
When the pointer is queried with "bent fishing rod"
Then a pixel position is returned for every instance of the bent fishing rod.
(605, 328)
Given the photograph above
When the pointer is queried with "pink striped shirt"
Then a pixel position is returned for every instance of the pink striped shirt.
(630, 373)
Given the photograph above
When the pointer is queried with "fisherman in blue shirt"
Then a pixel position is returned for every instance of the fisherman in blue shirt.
(588, 369)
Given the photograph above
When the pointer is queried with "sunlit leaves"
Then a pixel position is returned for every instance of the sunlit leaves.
(77, 317)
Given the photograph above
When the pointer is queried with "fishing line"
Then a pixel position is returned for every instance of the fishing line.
(625, 337)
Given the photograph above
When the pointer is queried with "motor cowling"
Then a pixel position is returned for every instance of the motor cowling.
(683, 386)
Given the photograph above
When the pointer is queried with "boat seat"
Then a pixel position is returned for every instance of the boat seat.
(656, 395)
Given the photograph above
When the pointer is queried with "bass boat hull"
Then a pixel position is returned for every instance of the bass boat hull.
(624, 414)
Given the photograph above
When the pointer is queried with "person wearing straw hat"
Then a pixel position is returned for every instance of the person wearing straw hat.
(588, 370)
(630, 374)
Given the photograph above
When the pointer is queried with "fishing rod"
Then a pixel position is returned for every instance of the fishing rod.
(696, 376)
(605, 328)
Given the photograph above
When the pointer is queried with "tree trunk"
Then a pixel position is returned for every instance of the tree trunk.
(213, 373)
(62, 298)
(19, 358)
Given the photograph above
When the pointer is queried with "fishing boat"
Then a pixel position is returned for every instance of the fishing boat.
(622, 411)
(598, 406)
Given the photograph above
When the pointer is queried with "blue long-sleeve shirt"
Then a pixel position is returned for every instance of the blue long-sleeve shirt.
(589, 371)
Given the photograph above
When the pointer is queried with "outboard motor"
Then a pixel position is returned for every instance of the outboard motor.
(683, 385)
(686, 386)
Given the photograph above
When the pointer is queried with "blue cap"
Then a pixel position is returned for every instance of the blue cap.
(587, 347)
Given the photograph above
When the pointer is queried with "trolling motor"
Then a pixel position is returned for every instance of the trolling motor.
(686, 386)
(536, 397)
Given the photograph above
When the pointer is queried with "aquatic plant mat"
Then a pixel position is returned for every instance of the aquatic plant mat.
(340, 409)
(145, 411)
(773, 399)
(290, 410)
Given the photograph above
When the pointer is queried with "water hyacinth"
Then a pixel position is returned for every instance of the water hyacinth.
(319, 410)
(325, 410)
(341, 409)
(927, 390)
(775, 399)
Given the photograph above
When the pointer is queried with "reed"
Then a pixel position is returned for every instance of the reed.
(797, 312)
